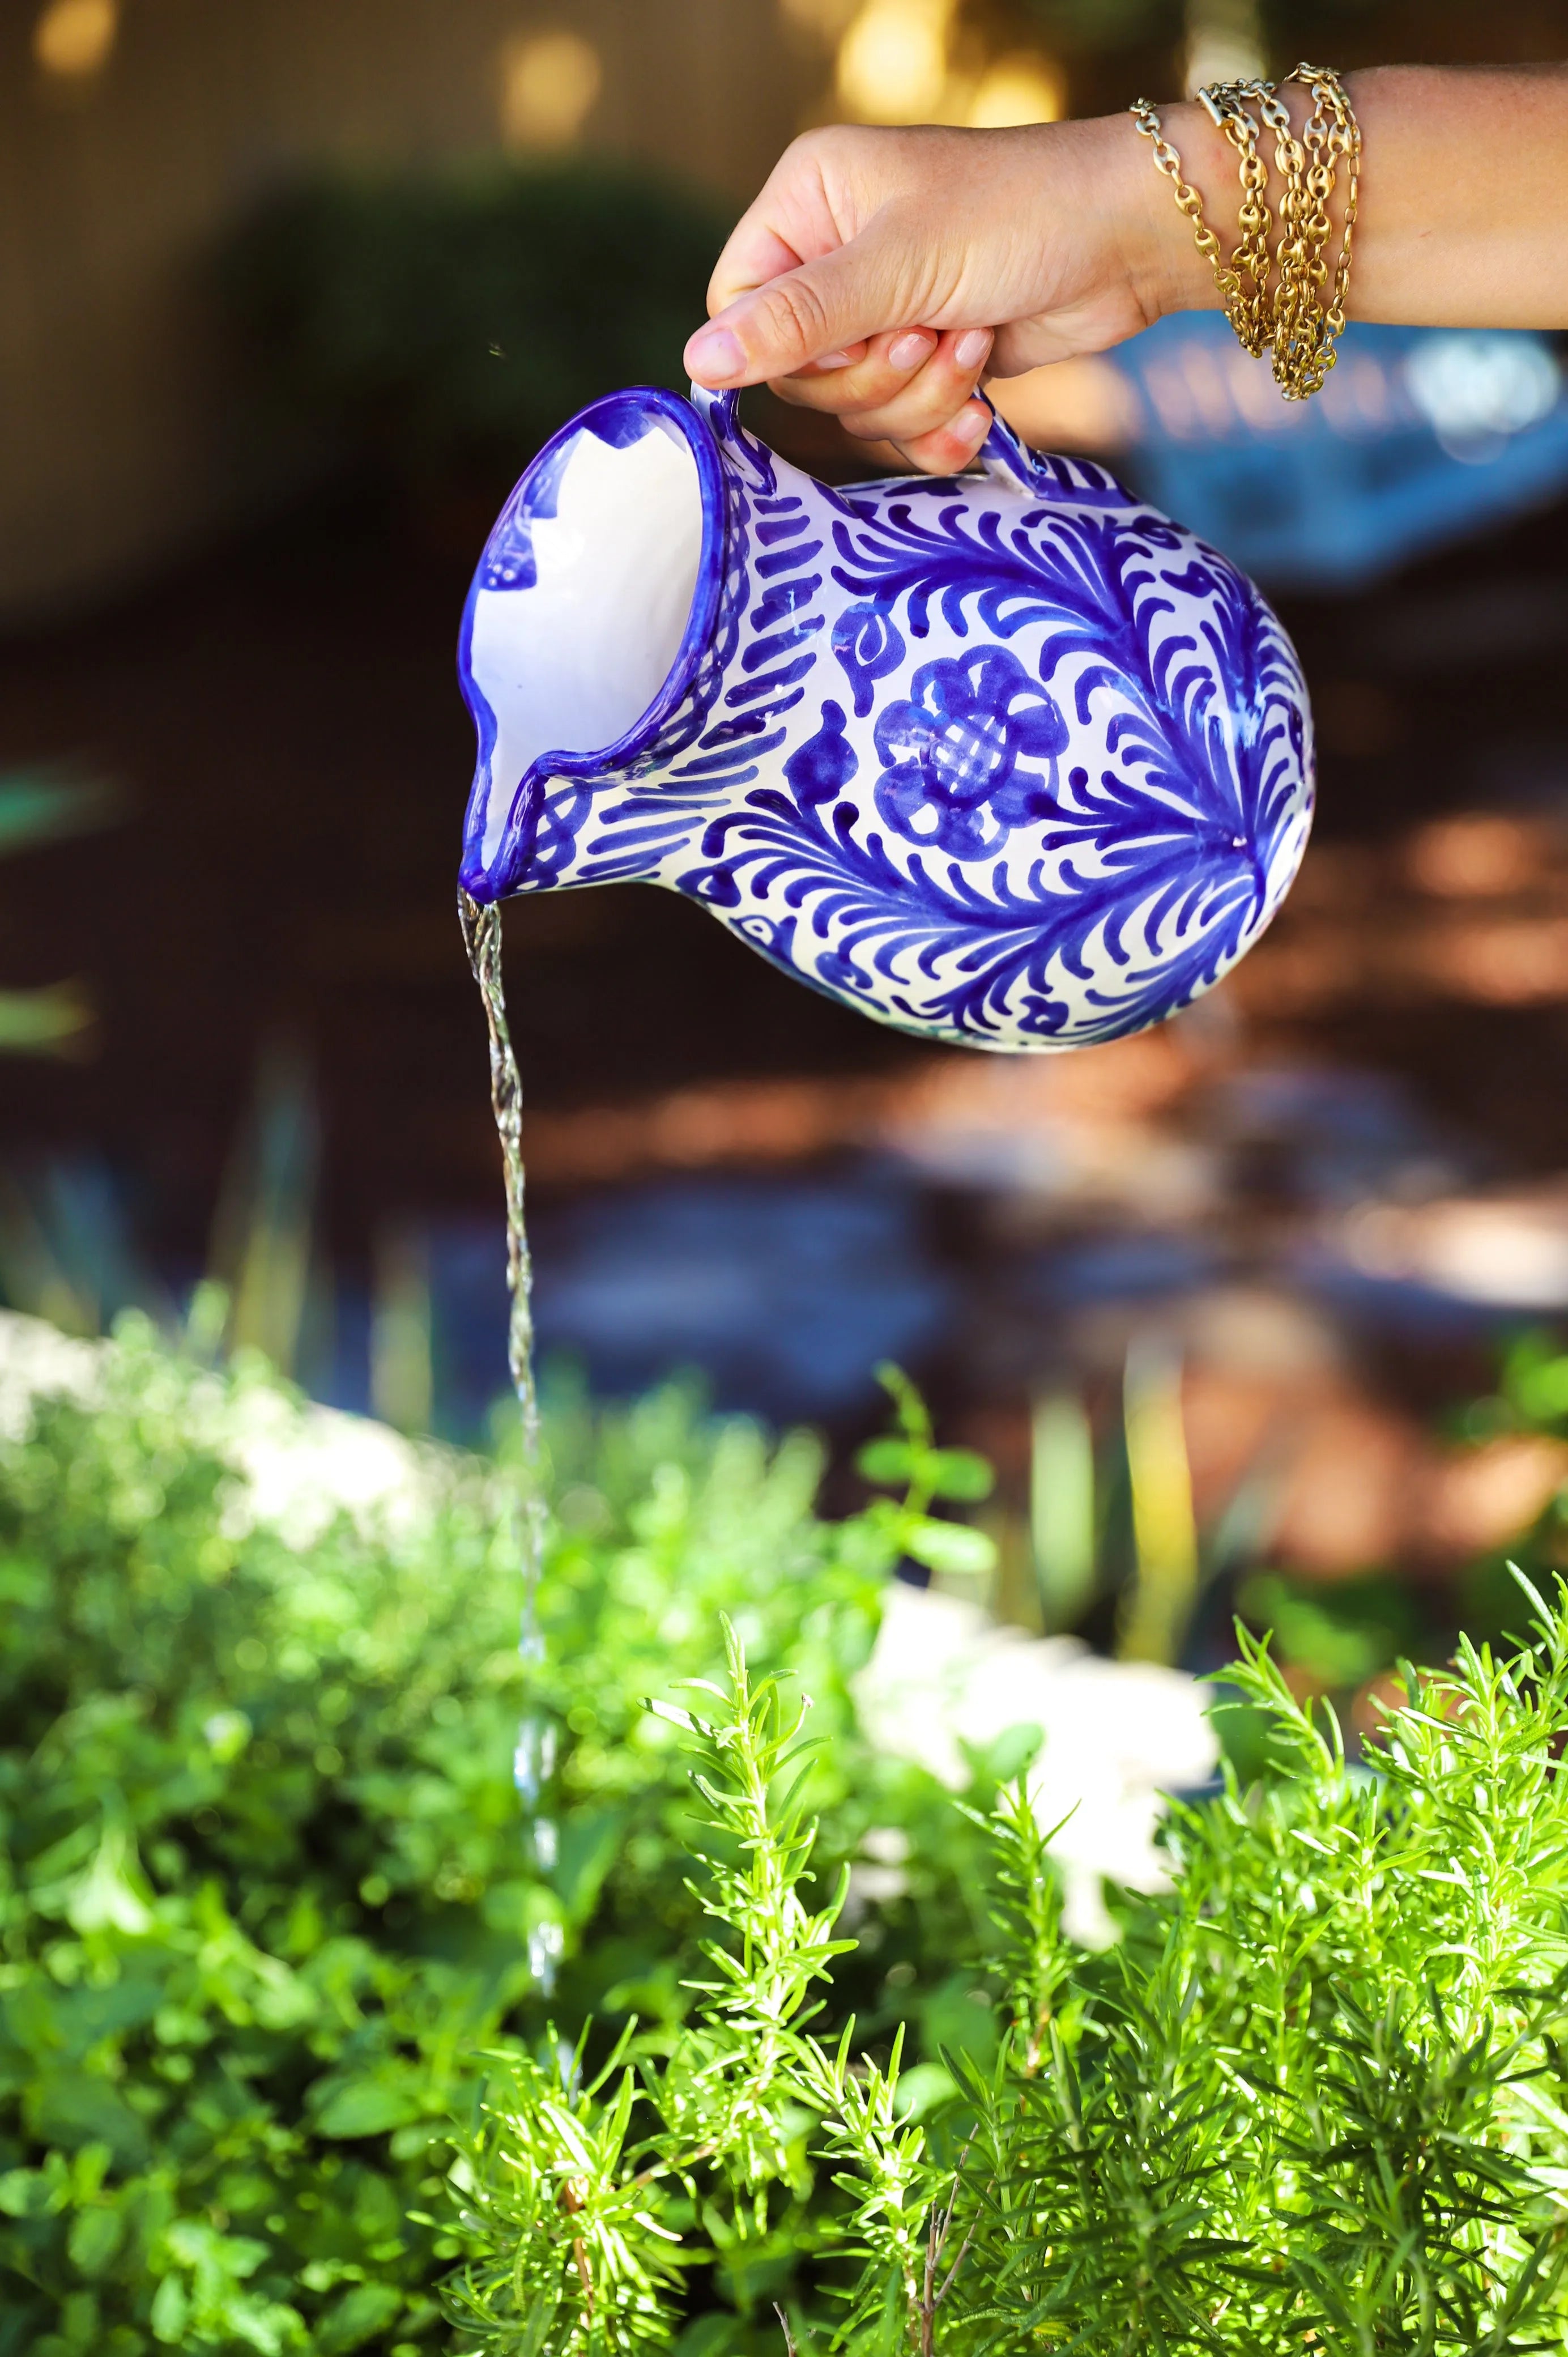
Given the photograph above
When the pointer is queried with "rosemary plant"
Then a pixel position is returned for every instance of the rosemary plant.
(1316, 2099)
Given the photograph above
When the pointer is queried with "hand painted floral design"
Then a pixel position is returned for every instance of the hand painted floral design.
(1010, 761)
(952, 751)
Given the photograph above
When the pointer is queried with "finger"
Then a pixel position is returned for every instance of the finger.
(828, 305)
(833, 364)
(755, 253)
(934, 394)
(948, 449)
(879, 370)
(793, 218)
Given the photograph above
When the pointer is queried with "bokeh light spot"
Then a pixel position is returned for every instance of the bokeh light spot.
(1021, 87)
(893, 61)
(73, 38)
(550, 83)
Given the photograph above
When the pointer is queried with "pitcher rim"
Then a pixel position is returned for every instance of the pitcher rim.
(493, 879)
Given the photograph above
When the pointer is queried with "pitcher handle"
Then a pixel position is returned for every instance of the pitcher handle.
(1002, 455)
(1006, 458)
(721, 411)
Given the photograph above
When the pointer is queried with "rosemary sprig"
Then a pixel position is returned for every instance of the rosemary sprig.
(1317, 2099)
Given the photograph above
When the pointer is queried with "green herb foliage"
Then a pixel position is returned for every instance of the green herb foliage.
(272, 1925)
(1317, 2099)
(266, 1894)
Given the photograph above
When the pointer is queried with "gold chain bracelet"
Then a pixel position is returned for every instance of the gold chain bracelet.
(1189, 202)
(1332, 136)
(1295, 326)
(1296, 302)
(1250, 259)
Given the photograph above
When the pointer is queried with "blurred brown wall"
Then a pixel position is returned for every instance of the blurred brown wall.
(116, 187)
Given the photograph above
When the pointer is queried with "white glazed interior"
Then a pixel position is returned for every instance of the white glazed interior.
(572, 662)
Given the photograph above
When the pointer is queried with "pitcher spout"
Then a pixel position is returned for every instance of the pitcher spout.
(586, 623)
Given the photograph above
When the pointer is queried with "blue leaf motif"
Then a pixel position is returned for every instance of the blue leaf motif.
(825, 763)
(867, 644)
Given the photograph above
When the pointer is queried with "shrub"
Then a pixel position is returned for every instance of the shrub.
(442, 325)
(269, 1902)
(1319, 2100)
(267, 1892)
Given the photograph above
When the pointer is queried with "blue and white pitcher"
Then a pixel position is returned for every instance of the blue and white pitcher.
(1004, 759)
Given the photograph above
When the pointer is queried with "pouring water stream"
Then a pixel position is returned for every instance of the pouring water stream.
(534, 1758)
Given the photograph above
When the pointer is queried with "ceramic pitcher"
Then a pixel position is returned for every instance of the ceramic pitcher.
(1004, 759)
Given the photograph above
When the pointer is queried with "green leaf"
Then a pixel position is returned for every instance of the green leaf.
(170, 2309)
(1012, 1749)
(958, 1473)
(42, 1021)
(366, 2107)
(94, 2238)
(589, 1841)
(921, 2089)
(908, 1404)
(949, 1547)
(72, 2109)
(113, 1895)
(23, 1582)
(891, 1463)
(367, 2309)
(26, 2193)
(516, 1907)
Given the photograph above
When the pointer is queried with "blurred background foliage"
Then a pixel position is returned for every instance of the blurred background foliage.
(432, 326)
(429, 255)
(39, 807)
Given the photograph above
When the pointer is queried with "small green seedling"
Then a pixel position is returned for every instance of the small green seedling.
(910, 1461)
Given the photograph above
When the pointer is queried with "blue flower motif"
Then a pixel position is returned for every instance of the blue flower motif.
(951, 753)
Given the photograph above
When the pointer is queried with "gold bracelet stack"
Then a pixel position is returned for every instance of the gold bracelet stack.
(1274, 296)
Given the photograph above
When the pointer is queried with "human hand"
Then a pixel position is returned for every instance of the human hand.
(882, 273)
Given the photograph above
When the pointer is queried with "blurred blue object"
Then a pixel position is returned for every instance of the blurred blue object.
(1420, 436)
(784, 1292)
(1143, 1267)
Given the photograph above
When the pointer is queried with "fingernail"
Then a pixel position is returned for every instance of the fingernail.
(832, 360)
(972, 348)
(907, 351)
(971, 425)
(714, 356)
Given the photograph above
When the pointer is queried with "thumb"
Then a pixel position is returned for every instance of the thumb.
(836, 299)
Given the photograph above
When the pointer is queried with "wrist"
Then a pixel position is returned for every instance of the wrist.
(1165, 269)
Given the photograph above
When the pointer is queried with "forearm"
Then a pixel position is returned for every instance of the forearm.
(1464, 204)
